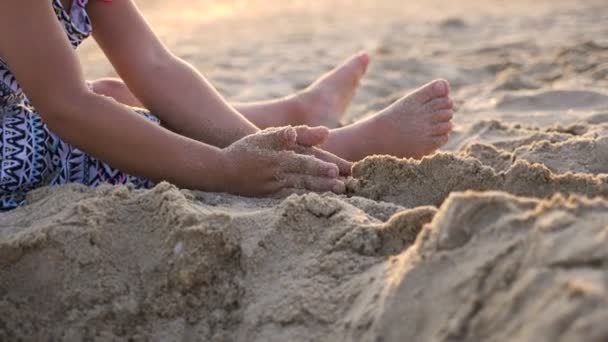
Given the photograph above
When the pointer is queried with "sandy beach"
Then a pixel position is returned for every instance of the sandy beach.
(502, 235)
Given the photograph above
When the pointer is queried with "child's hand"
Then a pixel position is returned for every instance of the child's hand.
(309, 137)
(265, 163)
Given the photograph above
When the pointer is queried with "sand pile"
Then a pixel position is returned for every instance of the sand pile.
(169, 265)
(499, 237)
(493, 267)
(172, 265)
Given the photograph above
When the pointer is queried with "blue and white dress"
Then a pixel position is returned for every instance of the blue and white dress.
(33, 156)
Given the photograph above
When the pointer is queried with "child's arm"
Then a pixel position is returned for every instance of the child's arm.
(169, 87)
(36, 49)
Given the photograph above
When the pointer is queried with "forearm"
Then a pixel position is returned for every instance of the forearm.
(111, 132)
(189, 105)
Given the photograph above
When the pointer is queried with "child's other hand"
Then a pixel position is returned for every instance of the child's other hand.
(267, 162)
(309, 137)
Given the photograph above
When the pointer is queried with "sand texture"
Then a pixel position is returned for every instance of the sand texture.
(500, 236)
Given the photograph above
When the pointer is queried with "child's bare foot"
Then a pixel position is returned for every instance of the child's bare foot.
(417, 124)
(414, 126)
(325, 101)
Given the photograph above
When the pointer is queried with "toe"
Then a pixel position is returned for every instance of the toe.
(311, 136)
(440, 103)
(442, 116)
(348, 74)
(440, 140)
(432, 90)
(443, 128)
(357, 64)
(326, 100)
(364, 59)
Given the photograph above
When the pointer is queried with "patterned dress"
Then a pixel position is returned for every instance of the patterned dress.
(31, 155)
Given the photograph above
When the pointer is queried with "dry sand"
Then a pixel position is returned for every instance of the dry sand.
(502, 236)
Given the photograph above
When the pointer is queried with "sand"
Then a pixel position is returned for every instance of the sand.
(500, 236)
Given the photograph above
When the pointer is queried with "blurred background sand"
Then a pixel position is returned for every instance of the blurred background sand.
(258, 49)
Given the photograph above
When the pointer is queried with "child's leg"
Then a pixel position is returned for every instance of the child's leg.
(413, 126)
(323, 103)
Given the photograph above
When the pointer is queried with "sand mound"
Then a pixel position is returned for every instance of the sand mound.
(166, 264)
(579, 155)
(492, 267)
(505, 136)
(579, 148)
(489, 155)
(163, 263)
(553, 100)
(575, 155)
(413, 183)
(113, 265)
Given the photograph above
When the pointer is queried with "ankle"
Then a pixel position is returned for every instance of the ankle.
(352, 142)
(301, 105)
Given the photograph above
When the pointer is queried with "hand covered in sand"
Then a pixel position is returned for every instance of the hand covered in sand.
(278, 159)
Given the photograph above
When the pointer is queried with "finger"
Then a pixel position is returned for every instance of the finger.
(311, 136)
(443, 128)
(307, 165)
(276, 138)
(344, 166)
(313, 183)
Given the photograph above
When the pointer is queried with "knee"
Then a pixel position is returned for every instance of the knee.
(111, 87)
